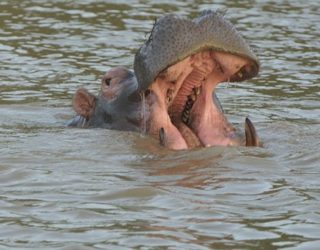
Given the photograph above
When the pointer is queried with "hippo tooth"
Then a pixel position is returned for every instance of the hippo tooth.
(197, 90)
(252, 138)
(188, 106)
(190, 102)
(184, 120)
(193, 97)
(185, 117)
(185, 114)
(169, 96)
(169, 99)
(240, 74)
(162, 137)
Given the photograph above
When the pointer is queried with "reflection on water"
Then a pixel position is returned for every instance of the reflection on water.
(97, 189)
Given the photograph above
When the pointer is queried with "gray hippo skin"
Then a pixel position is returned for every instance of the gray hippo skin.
(171, 94)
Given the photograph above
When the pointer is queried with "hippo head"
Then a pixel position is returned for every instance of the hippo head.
(177, 70)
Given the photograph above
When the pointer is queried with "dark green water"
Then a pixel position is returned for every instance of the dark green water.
(66, 188)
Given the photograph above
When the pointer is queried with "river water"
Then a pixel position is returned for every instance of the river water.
(63, 188)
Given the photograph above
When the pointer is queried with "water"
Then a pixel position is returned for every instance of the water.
(66, 188)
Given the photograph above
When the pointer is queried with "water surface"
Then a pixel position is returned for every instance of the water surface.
(66, 188)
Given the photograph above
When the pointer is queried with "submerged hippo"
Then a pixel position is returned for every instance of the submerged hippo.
(171, 94)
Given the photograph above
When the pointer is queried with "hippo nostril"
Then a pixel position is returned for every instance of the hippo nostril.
(107, 81)
(240, 75)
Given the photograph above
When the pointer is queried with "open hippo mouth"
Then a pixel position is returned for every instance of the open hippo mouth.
(178, 69)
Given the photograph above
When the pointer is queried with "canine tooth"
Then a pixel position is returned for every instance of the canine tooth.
(197, 90)
(168, 99)
(252, 138)
(162, 137)
(240, 74)
(169, 95)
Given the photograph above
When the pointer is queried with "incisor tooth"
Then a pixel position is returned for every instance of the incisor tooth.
(193, 97)
(196, 90)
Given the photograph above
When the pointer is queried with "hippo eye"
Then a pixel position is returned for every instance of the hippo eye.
(107, 81)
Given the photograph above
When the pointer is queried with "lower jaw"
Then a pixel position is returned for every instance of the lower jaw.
(205, 125)
(210, 128)
(177, 135)
(207, 136)
(191, 141)
(199, 132)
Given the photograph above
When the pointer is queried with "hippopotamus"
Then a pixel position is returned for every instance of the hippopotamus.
(170, 95)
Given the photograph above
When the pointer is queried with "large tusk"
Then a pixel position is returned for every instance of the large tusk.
(162, 137)
(252, 139)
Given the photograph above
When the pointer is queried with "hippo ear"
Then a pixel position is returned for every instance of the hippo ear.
(84, 103)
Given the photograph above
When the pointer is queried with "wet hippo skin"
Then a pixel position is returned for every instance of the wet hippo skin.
(171, 94)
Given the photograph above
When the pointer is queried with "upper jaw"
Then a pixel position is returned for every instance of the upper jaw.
(173, 39)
